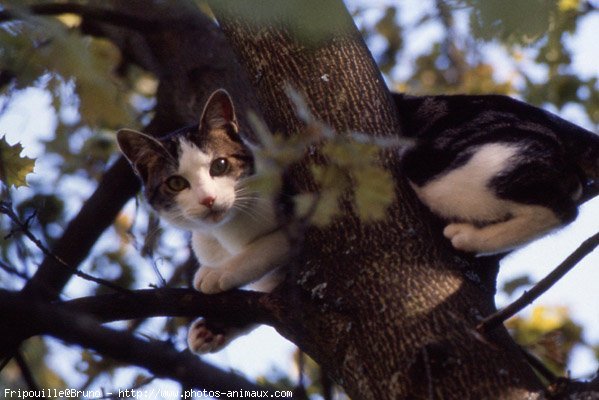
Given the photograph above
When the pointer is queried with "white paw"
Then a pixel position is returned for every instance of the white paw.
(213, 280)
(206, 280)
(201, 339)
(464, 237)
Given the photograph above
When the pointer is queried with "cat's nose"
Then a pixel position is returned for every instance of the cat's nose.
(208, 201)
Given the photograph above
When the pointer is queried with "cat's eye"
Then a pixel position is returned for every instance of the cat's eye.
(219, 167)
(176, 183)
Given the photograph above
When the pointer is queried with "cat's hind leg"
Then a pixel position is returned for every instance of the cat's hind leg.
(206, 336)
(201, 339)
(526, 223)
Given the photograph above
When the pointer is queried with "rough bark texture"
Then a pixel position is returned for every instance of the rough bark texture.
(386, 307)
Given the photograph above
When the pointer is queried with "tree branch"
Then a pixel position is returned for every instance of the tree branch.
(13, 271)
(99, 14)
(236, 306)
(117, 186)
(6, 209)
(158, 357)
(541, 287)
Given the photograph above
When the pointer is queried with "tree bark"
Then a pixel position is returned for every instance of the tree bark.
(387, 308)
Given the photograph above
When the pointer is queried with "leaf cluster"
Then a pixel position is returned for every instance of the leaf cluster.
(340, 165)
(550, 334)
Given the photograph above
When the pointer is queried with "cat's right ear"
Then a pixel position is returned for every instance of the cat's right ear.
(219, 111)
(141, 150)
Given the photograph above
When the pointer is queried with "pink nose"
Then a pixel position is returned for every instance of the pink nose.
(208, 201)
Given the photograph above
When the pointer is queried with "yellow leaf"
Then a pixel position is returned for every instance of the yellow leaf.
(374, 192)
(329, 176)
(348, 153)
(569, 5)
(319, 209)
(13, 167)
(546, 319)
(267, 183)
(70, 20)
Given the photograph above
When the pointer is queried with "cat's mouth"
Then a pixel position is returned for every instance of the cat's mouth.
(215, 215)
(207, 217)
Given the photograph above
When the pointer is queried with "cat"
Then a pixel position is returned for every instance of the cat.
(504, 174)
(195, 179)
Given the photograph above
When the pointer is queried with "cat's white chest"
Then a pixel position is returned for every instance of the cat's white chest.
(464, 192)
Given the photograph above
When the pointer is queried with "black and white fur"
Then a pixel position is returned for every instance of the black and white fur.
(500, 171)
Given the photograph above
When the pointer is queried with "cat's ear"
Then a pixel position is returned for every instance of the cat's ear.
(142, 151)
(219, 111)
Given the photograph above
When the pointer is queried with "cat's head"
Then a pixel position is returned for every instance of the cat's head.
(193, 177)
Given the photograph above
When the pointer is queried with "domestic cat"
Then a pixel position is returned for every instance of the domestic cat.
(502, 172)
(195, 179)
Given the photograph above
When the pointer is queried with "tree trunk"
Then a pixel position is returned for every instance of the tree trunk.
(388, 308)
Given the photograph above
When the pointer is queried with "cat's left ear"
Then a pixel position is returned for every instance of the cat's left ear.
(143, 152)
(219, 111)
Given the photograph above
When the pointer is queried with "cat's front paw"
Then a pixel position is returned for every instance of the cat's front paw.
(202, 339)
(213, 280)
(463, 237)
(206, 280)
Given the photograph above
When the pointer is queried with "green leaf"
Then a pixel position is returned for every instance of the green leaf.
(348, 153)
(266, 183)
(13, 167)
(388, 28)
(492, 19)
(318, 209)
(374, 192)
(512, 285)
(45, 45)
(48, 208)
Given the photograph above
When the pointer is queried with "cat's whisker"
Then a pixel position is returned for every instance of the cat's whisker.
(253, 209)
(249, 211)
(248, 194)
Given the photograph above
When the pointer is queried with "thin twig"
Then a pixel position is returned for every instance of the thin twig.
(541, 287)
(12, 270)
(6, 209)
